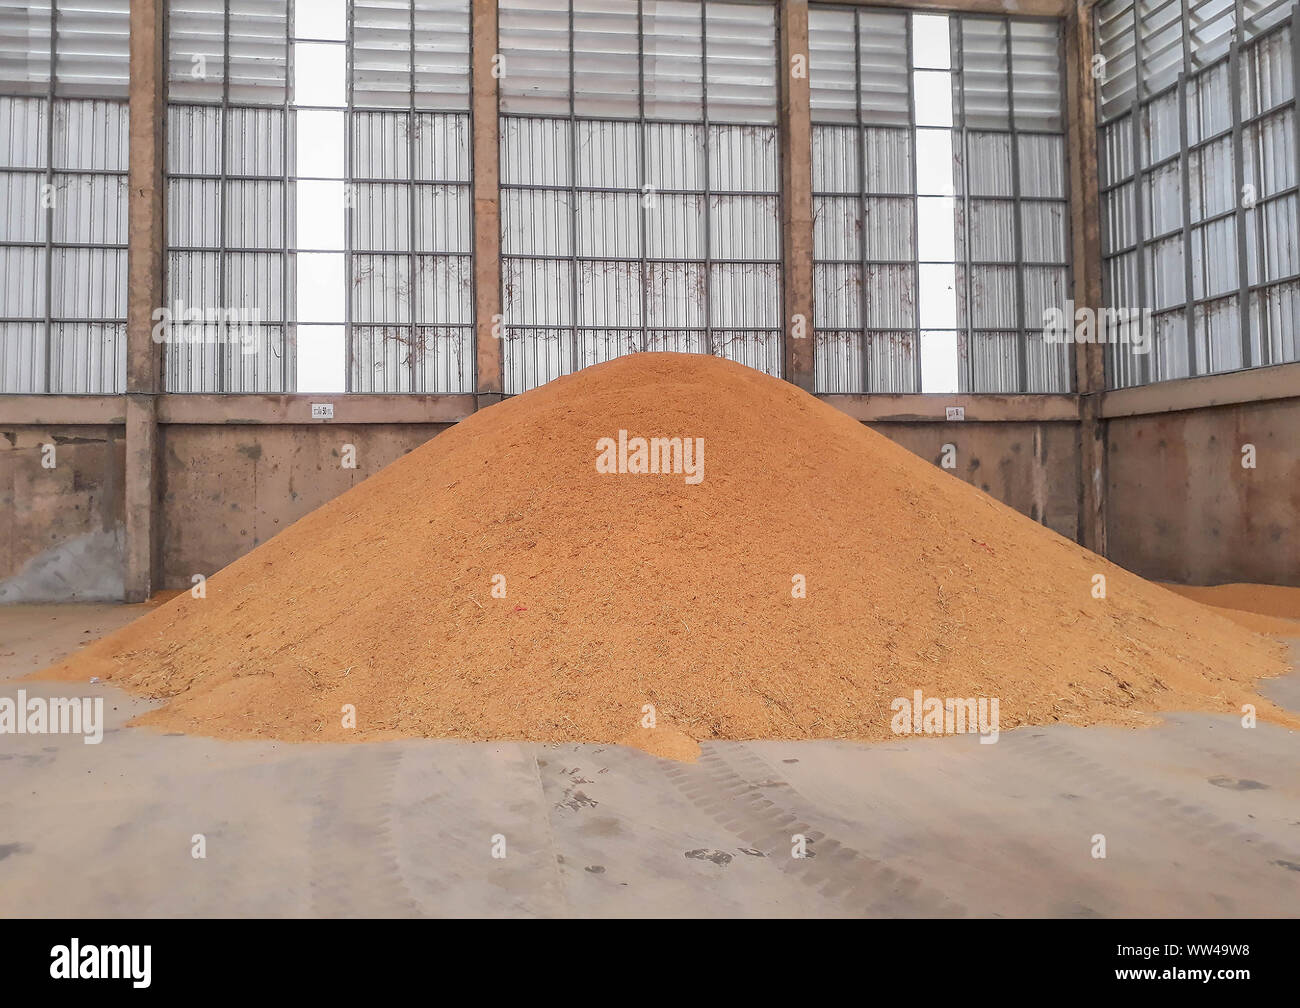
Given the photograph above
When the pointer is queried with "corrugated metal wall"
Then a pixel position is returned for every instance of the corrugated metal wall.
(364, 124)
(410, 232)
(640, 193)
(914, 194)
(63, 161)
(230, 201)
(639, 183)
(1197, 151)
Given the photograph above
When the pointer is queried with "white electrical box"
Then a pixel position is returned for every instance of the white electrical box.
(956, 412)
(322, 411)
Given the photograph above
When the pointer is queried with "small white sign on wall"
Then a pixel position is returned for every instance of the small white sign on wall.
(956, 412)
(322, 411)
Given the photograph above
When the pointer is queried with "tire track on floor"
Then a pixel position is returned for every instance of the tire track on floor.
(744, 794)
(355, 869)
(1197, 823)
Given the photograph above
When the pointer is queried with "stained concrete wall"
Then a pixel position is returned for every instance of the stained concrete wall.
(61, 527)
(228, 488)
(1179, 504)
(1032, 467)
(1181, 507)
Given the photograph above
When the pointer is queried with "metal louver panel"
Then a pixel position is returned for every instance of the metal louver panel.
(534, 44)
(639, 183)
(406, 53)
(739, 69)
(982, 99)
(63, 196)
(605, 68)
(381, 53)
(92, 58)
(1198, 211)
(24, 47)
(251, 65)
(441, 59)
(673, 61)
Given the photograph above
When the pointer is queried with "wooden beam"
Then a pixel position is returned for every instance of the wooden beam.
(1085, 231)
(62, 410)
(796, 193)
(413, 408)
(487, 201)
(356, 408)
(932, 406)
(1266, 384)
(146, 242)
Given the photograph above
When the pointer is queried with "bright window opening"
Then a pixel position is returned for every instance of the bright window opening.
(935, 205)
(319, 88)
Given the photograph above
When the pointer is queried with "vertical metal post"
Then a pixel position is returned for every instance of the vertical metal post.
(1257, 180)
(1184, 159)
(1294, 29)
(413, 304)
(859, 145)
(223, 355)
(349, 211)
(49, 210)
(575, 280)
(1239, 174)
(709, 341)
(288, 261)
(967, 285)
(641, 180)
(1140, 363)
(916, 208)
(1067, 185)
(1184, 163)
(1022, 371)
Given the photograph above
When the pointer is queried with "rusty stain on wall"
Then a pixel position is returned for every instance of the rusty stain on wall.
(1181, 507)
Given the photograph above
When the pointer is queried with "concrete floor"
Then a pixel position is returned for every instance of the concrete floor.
(1201, 818)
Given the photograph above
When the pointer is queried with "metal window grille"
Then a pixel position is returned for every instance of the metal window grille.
(1197, 140)
(230, 199)
(410, 231)
(242, 141)
(639, 183)
(999, 163)
(63, 195)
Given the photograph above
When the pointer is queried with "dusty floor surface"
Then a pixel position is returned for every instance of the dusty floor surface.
(1201, 818)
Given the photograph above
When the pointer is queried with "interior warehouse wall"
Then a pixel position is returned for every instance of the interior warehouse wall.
(229, 488)
(1032, 467)
(61, 513)
(1177, 507)
(63, 196)
(1182, 505)
(1198, 189)
(1198, 104)
(229, 471)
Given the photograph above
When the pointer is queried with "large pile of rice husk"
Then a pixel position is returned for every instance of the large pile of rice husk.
(628, 589)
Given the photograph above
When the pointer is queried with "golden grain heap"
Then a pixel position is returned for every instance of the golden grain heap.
(618, 588)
